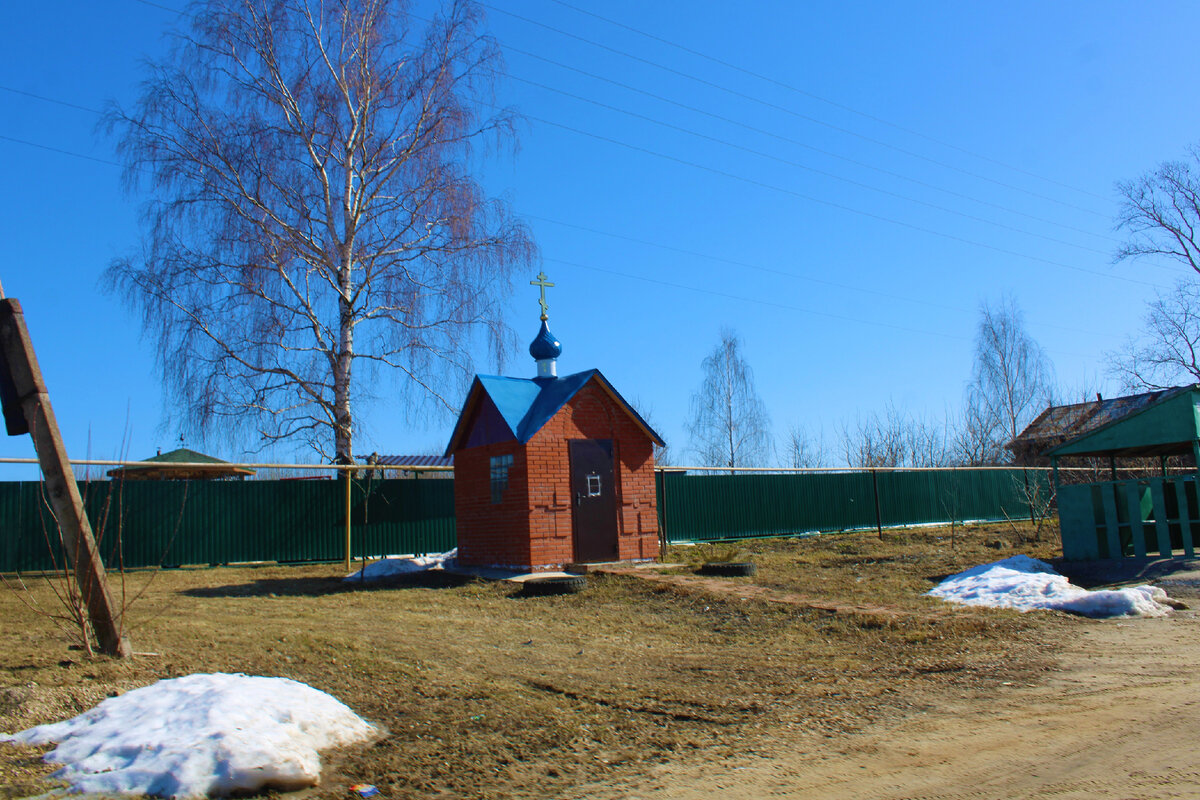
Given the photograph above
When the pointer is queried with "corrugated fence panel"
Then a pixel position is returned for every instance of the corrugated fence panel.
(714, 506)
(147, 523)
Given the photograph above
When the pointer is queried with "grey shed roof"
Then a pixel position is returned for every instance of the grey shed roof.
(1057, 424)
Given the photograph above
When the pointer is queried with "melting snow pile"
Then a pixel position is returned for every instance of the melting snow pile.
(402, 565)
(1026, 584)
(200, 735)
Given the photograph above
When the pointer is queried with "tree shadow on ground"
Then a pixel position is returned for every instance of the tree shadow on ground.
(317, 587)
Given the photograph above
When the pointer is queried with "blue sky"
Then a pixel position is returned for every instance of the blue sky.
(843, 191)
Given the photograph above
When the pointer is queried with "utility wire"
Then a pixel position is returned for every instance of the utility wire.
(756, 301)
(799, 143)
(775, 271)
(825, 100)
(786, 110)
(59, 150)
(52, 100)
(840, 206)
(770, 303)
(664, 247)
(815, 170)
(659, 155)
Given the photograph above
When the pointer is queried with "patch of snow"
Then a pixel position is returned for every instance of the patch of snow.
(200, 735)
(1025, 584)
(390, 566)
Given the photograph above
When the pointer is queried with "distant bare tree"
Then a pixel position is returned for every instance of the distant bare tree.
(1160, 212)
(1167, 352)
(974, 440)
(663, 454)
(313, 221)
(801, 451)
(894, 439)
(729, 425)
(1013, 378)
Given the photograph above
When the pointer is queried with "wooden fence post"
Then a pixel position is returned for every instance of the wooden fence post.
(24, 381)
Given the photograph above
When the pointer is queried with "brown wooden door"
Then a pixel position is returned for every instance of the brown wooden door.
(594, 498)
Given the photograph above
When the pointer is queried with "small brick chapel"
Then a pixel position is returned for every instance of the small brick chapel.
(551, 471)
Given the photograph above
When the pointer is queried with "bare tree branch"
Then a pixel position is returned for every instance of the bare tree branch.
(1160, 212)
(1166, 353)
(311, 208)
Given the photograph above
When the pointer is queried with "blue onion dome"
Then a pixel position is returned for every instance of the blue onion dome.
(545, 346)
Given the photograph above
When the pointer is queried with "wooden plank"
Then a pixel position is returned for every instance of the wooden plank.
(1161, 531)
(1111, 520)
(1077, 522)
(21, 364)
(1133, 495)
(1185, 515)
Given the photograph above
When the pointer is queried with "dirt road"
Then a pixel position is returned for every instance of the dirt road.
(1119, 718)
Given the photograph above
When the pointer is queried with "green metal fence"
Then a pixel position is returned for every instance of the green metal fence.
(715, 506)
(146, 523)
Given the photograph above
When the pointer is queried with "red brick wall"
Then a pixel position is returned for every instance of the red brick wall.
(591, 414)
(491, 534)
(534, 521)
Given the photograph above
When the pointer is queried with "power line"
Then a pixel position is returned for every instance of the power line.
(59, 150)
(798, 165)
(825, 100)
(770, 303)
(741, 298)
(713, 170)
(805, 145)
(840, 206)
(643, 242)
(786, 110)
(52, 100)
(682, 251)
(775, 271)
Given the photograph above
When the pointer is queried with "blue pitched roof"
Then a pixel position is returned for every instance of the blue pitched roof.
(526, 404)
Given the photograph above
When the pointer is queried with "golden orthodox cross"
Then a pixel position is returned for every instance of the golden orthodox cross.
(541, 281)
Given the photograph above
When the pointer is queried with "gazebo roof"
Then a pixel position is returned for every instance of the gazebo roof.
(1165, 424)
(158, 467)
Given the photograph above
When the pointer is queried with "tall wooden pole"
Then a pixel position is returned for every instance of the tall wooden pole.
(28, 390)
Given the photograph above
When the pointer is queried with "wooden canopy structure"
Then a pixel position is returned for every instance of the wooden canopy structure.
(1139, 516)
(1059, 424)
(1167, 423)
(169, 467)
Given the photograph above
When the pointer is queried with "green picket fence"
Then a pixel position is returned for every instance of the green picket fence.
(148, 523)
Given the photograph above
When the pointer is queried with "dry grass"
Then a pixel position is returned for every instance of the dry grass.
(487, 694)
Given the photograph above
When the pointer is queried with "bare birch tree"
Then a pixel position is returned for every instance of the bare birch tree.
(313, 221)
(1168, 351)
(729, 424)
(1160, 212)
(1013, 378)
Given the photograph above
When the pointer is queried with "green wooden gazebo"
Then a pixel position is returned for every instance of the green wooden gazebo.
(1140, 516)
